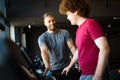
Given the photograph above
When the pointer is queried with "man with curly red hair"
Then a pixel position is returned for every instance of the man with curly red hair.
(91, 42)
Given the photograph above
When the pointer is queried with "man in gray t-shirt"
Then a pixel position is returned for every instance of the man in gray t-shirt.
(55, 45)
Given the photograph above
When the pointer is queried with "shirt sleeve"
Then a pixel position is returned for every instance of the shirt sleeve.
(41, 40)
(95, 29)
(68, 36)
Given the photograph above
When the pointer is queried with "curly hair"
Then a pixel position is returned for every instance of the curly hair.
(82, 6)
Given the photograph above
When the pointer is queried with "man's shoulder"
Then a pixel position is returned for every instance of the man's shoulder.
(43, 35)
(63, 30)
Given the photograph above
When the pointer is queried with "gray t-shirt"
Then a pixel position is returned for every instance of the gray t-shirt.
(58, 49)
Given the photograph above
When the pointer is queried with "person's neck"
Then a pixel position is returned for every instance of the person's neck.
(52, 31)
(81, 20)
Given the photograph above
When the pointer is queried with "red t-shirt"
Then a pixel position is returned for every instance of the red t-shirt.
(87, 49)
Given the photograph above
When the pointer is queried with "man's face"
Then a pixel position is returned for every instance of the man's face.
(50, 22)
(71, 17)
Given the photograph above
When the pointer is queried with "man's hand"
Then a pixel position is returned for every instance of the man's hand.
(65, 71)
(46, 69)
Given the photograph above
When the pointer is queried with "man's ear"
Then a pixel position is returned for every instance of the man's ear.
(76, 12)
(44, 23)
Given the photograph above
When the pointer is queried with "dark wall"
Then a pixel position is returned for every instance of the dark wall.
(31, 10)
(114, 42)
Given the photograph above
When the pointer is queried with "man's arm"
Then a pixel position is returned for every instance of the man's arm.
(46, 58)
(74, 58)
(71, 46)
(103, 46)
(73, 61)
